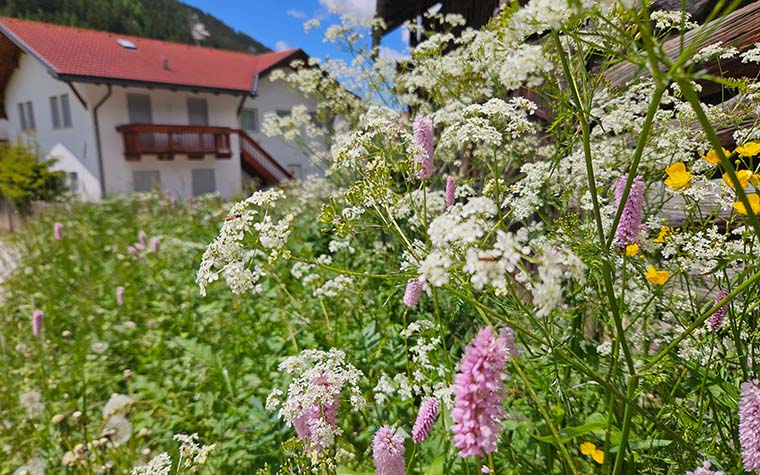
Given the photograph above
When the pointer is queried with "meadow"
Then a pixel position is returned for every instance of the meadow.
(521, 259)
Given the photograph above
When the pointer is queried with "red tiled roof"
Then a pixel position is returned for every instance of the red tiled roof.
(89, 55)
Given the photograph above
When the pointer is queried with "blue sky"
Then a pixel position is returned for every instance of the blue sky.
(279, 23)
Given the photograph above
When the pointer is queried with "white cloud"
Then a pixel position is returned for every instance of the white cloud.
(281, 45)
(359, 9)
(390, 54)
(300, 14)
(404, 34)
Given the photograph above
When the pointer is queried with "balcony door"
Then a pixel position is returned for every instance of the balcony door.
(197, 111)
(140, 112)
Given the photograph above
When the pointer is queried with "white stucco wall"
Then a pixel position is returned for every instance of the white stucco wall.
(76, 146)
(32, 82)
(168, 108)
(271, 97)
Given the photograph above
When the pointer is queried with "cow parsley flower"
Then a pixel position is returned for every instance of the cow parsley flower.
(159, 465)
(313, 395)
(227, 256)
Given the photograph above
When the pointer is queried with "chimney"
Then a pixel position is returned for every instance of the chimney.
(166, 64)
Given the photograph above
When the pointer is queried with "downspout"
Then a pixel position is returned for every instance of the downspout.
(98, 145)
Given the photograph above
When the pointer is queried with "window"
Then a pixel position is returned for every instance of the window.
(197, 110)
(282, 113)
(145, 180)
(296, 170)
(60, 111)
(138, 106)
(72, 182)
(26, 114)
(249, 120)
(204, 181)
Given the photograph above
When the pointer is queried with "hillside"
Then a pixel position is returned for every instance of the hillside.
(162, 19)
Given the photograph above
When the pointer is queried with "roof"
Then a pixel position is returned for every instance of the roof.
(76, 54)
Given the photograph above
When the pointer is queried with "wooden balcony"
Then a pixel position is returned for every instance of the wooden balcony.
(166, 141)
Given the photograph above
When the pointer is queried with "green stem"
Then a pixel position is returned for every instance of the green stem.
(546, 416)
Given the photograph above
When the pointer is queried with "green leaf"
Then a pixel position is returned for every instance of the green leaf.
(436, 468)
(594, 422)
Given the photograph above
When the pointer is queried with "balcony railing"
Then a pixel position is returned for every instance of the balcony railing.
(166, 141)
(260, 162)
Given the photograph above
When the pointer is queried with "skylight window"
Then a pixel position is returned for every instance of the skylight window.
(126, 43)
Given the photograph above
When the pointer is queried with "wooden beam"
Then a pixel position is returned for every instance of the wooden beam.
(740, 29)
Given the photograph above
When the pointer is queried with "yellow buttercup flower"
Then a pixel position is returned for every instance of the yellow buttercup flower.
(755, 180)
(749, 149)
(678, 176)
(657, 277)
(712, 156)
(754, 202)
(743, 176)
(587, 448)
(631, 249)
(664, 235)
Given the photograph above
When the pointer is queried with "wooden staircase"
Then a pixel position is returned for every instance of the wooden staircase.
(256, 161)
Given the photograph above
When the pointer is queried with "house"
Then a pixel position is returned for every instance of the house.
(126, 114)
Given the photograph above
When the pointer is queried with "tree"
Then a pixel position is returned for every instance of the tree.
(25, 177)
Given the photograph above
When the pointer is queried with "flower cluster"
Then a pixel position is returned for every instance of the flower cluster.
(227, 255)
(479, 392)
(314, 394)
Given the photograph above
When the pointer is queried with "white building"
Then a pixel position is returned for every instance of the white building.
(126, 114)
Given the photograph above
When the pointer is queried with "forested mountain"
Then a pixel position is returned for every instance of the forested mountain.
(169, 20)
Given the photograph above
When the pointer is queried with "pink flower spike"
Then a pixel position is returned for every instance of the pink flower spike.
(715, 322)
(705, 469)
(423, 138)
(450, 189)
(142, 237)
(413, 292)
(425, 419)
(120, 295)
(388, 452)
(630, 221)
(749, 425)
(154, 244)
(478, 394)
(58, 231)
(37, 322)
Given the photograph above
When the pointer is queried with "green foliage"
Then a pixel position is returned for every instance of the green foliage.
(169, 20)
(25, 177)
